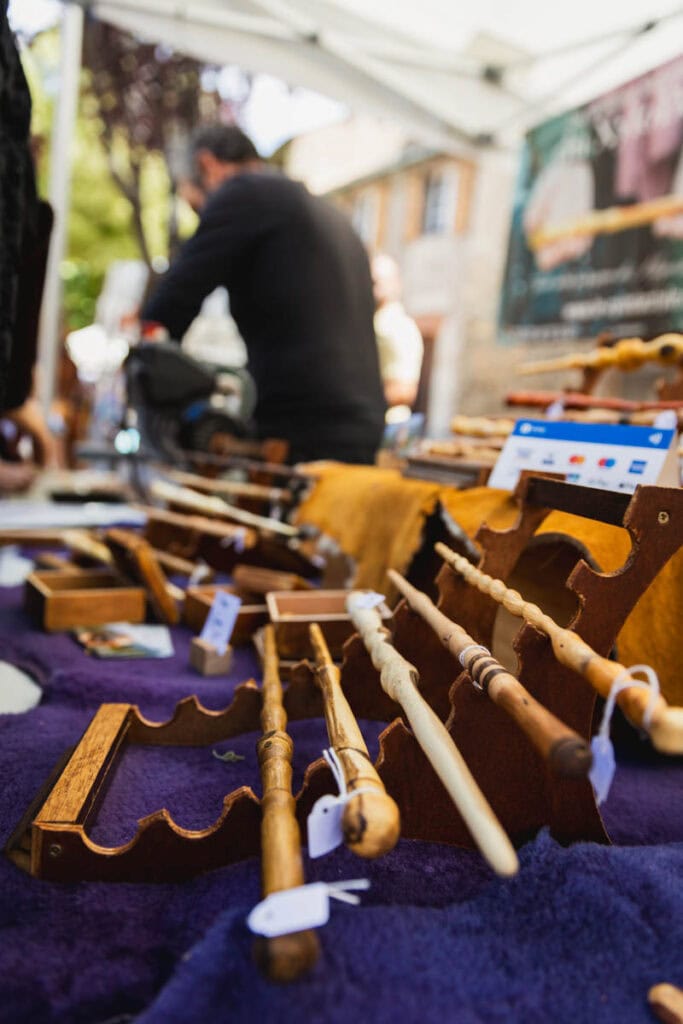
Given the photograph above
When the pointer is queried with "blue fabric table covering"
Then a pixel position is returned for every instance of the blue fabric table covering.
(579, 935)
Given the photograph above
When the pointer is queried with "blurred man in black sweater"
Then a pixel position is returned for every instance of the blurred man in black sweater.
(300, 292)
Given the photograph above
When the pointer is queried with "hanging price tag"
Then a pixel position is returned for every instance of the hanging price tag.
(603, 768)
(221, 620)
(324, 825)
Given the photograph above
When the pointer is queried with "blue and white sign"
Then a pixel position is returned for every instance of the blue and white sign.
(607, 456)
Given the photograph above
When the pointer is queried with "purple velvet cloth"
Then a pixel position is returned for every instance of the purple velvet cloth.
(579, 935)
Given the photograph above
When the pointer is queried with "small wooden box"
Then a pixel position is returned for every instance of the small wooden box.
(198, 601)
(88, 597)
(292, 612)
(206, 660)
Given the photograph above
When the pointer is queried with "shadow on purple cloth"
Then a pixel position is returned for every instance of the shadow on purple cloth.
(579, 935)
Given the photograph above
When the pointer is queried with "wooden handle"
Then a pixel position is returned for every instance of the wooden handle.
(371, 823)
(399, 679)
(213, 506)
(665, 726)
(567, 754)
(285, 957)
(134, 556)
(81, 542)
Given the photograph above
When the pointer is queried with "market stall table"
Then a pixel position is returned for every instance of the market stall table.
(579, 935)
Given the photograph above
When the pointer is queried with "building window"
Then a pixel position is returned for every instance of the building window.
(440, 200)
(365, 217)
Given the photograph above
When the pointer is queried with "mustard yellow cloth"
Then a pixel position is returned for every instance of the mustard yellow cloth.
(377, 517)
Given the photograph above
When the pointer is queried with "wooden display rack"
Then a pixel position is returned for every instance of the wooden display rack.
(51, 842)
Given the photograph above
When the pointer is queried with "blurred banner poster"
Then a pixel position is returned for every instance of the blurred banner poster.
(596, 241)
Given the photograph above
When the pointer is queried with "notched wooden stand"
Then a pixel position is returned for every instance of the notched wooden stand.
(51, 842)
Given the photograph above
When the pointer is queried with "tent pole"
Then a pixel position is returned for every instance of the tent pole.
(71, 40)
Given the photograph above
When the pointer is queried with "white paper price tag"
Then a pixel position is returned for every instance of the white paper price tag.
(324, 825)
(307, 906)
(367, 599)
(221, 620)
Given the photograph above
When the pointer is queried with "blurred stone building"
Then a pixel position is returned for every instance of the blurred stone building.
(445, 219)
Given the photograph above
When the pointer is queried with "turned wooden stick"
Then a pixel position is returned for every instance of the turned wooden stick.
(667, 1002)
(371, 822)
(284, 957)
(399, 679)
(665, 723)
(567, 754)
(184, 497)
(236, 488)
(627, 354)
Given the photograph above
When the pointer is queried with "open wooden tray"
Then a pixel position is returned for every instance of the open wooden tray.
(86, 597)
(292, 612)
(198, 601)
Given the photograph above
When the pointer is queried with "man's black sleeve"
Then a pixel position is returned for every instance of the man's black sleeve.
(205, 261)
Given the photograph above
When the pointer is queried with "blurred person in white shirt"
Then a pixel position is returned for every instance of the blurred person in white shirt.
(399, 342)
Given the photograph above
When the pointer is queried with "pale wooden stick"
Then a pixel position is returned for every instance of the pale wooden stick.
(236, 488)
(399, 679)
(627, 354)
(565, 751)
(665, 726)
(213, 506)
(371, 822)
(285, 957)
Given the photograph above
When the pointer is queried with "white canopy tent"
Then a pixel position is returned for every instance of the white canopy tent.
(460, 72)
(457, 76)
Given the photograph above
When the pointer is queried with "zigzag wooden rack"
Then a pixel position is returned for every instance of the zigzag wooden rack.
(51, 841)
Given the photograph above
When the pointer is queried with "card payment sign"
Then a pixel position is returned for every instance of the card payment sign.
(607, 456)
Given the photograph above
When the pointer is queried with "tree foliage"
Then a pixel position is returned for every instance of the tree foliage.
(138, 105)
(146, 100)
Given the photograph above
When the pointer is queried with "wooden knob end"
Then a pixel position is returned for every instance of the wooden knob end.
(570, 758)
(286, 957)
(371, 824)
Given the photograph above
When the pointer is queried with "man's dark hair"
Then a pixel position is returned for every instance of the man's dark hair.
(227, 143)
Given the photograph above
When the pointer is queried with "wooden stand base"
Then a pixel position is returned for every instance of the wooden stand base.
(206, 660)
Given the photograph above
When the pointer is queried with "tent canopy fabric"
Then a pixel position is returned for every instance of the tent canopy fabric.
(455, 74)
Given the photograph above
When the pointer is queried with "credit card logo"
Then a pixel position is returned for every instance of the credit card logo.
(637, 466)
(607, 463)
(577, 460)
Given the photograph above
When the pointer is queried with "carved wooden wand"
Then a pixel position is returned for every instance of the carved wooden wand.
(663, 723)
(371, 822)
(399, 679)
(627, 354)
(285, 957)
(567, 754)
